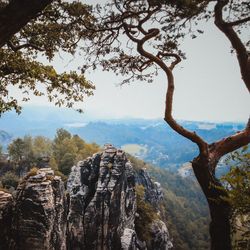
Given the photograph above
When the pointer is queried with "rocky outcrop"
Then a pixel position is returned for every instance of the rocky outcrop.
(158, 231)
(160, 236)
(39, 215)
(153, 191)
(129, 240)
(97, 211)
(6, 202)
(102, 201)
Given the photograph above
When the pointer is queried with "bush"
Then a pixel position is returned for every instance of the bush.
(147, 215)
(9, 180)
(58, 173)
(66, 163)
(32, 172)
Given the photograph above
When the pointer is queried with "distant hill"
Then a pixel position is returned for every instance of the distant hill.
(38, 120)
(154, 141)
(5, 138)
(151, 140)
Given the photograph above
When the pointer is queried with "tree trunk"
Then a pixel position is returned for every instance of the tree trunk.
(220, 210)
(17, 14)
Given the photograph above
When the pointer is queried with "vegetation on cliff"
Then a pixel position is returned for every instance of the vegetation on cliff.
(184, 207)
(60, 154)
(146, 215)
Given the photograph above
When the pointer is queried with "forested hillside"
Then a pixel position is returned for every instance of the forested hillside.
(156, 142)
(151, 140)
(183, 206)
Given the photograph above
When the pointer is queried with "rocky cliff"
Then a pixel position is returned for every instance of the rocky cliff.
(6, 203)
(98, 209)
(37, 215)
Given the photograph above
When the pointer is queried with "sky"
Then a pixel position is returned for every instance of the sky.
(208, 86)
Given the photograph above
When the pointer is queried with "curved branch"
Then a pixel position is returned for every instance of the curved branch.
(128, 33)
(175, 62)
(203, 146)
(227, 29)
(240, 21)
(233, 142)
(147, 17)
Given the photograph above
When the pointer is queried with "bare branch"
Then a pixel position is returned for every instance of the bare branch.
(128, 33)
(145, 65)
(233, 142)
(240, 21)
(242, 54)
(170, 91)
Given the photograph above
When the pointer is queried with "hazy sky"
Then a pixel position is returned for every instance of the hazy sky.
(208, 86)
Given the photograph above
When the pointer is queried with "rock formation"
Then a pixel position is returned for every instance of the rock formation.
(39, 215)
(6, 202)
(160, 239)
(102, 201)
(160, 236)
(97, 211)
(153, 192)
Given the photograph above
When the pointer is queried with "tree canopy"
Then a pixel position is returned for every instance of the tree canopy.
(60, 154)
(32, 33)
(237, 181)
(125, 30)
(68, 150)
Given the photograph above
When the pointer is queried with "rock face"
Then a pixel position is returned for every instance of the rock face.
(6, 202)
(160, 236)
(97, 211)
(153, 191)
(39, 216)
(102, 201)
(129, 240)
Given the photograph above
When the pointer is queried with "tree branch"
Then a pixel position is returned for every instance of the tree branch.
(175, 62)
(227, 29)
(26, 45)
(232, 142)
(144, 65)
(237, 22)
(203, 146)
(17, 14)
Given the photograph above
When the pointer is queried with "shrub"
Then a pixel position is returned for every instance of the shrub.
(64, 177)
(9, 180)
(32, 172)
(147, 215)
